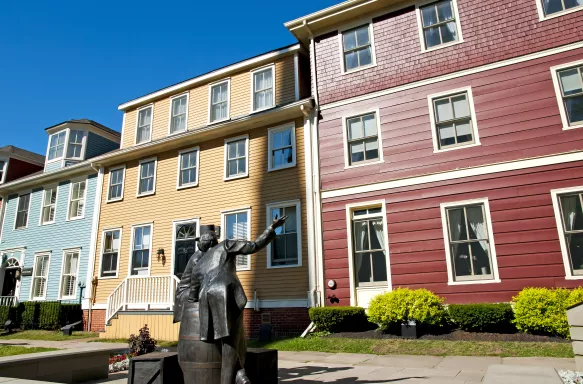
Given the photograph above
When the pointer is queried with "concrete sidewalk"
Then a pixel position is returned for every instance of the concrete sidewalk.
(65, 344)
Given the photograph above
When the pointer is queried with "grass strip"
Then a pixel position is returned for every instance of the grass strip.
(11, 350)
(47, 335)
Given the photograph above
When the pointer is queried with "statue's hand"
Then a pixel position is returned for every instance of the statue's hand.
(278, 222)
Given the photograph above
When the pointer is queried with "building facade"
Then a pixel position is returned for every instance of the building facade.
(225, 148)
(49, 217)
(450, 147)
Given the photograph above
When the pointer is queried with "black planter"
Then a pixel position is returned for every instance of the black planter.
(409, 330)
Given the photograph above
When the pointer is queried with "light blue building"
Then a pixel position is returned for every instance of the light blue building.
(49, 218)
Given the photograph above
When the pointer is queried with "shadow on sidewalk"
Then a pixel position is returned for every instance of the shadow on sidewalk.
(301, 375)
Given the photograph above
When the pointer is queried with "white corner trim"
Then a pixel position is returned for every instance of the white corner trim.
(356, 24)
(123, 127)
(224, 214)
(123, 175)
(226, 176)
(270, 132)
(94, 228)
(273, 84)
(210, 103)
(170, 133)
(543, 17)
(179, 168)
(456, 15)
(153, 191)
(284, 204)
(555, 194)
(381, 159)
(559, 92)
(296, 76)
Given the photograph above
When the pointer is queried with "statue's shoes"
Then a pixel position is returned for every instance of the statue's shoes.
(242, 378)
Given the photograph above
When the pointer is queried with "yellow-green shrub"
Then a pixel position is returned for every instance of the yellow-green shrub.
(543, 310)
(404, 304)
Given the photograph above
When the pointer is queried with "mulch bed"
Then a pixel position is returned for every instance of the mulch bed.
(456, 335)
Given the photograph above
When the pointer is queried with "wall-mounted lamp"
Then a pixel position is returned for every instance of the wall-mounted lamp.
(161, 255)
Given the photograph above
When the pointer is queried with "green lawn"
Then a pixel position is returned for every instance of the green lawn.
(47, 335)
(10, 350)
(420, 347)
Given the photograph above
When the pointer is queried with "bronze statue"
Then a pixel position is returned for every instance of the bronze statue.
(209, 304)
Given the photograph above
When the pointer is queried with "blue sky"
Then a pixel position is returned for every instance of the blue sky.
(62, 60)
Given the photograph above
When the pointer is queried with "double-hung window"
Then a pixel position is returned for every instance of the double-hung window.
(178, 114)
(116, 183)
(363, 139)
(263, 92)
(144, 128)
(558, 7)
(141, 250)
(357, 48)
(569, 205)
(3, 164)
(77, 200)
(439, 24)
(285, 250)
(57, 145)
(110, 253)
(236, 157)
(40, 277)
(569, 88)
(69, 274)
(188, 168)
(469, 242)
(369, 258)
(49, 205)
(282, 147)
(236, 224)
(22, 211)
(75, 145)
(219, 101)
(147, 177)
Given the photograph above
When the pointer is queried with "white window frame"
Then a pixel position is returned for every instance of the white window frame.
(83, 144)
(4, 169)
(43, 202)
(226, 155)
(153, 191)
(138, 122)
(211, 86)
(74, 295)
(559, 93)
(270, 132)
(224, 215)
(123, 182)
(284, 204)
(543, 17)
(175, 224)
(345, 119)
(71, 183)
(350, 208)
(253, 71)
(31, 295)
(64, 146)
(444, 224)
(170, 133)
(103, 232)
(29, 193)
(456, 14)
(356, 24)
(180, 153)
(132, 234)
(432, 117)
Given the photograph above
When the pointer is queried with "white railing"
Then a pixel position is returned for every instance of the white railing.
(9, 301)
(142, 292)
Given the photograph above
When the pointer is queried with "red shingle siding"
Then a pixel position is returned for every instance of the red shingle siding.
(524, 226)
(18, 169)
(492, 31)
(517, 117)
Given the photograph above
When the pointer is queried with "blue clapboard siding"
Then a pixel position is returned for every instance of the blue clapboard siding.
(98, 145)
(54, 237)
(53, 166)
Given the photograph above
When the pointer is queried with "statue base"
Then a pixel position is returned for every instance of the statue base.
(261, 365)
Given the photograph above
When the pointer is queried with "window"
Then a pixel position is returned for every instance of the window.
(57, 145)
(569, 215)
(110, 253)
(439, 24)
(75, 146)
(263, 94)
(116, 183)
(569, 89)
(236, 159)
(357, 48)
(219, 101)
(69, 275)
(363, 139)
(185, 234)
(40, 277)
(453, 120)
(141, 250)
(3, 166)
(49, 206)
(178, 114)
(558, 7)
(77, 200)
(147, 177)
(144, 130)
(468, 241)
(282, 147)
(236, 227)
(285, 250)
(369, 251)
(22, 211)
(188, 168)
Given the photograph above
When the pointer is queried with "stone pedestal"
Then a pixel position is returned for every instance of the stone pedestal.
(261, 365)
(155, 368)
(575, 316)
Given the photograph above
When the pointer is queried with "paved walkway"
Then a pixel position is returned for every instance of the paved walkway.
(65, 344)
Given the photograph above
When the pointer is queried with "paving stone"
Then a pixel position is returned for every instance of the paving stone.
(468, 362)
(471, 375)
(404, 361)
(557, 363)
(304, 356)
(349, 358)
(429, 372)
(504, 374)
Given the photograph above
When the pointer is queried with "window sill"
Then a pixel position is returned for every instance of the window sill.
(54, 160)
(438, 47)
(21, 228)
(143, 142)
(64, 298)
(76, 218)
(458, 147)
(218, 121)
(383, 285)
(145, 194)
(38, 299)
(559, 14)
(177, 132)
(108, 278)
(113, 200)
(292, 165)
(262, 109)
(344, 72)
(283, 266)
(187, 186)
(243, 269)
(574, 277)
(366, 164)
(474, 282)
(568, 127)
(236, 177)
(47, 223)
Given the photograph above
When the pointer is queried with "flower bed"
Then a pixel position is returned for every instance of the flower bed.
(119, 362)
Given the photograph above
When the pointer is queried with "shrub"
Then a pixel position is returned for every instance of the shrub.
(543, 310)
(49, 315)
(403, 304)
(339, 319)
(143, 343)
(482, 317)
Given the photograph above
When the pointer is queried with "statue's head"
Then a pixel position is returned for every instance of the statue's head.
(207, 241)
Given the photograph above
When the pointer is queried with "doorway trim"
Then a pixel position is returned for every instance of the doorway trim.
(175, 223)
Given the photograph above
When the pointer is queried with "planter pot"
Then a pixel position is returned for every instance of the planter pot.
(409, 330)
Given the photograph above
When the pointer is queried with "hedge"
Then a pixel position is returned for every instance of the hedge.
(482, 317)
(48, 315)
(339, 319)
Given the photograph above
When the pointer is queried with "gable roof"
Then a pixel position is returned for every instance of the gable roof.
(90, 122)
(23, 154)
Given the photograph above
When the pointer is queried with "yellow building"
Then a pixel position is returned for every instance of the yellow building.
(225, 148)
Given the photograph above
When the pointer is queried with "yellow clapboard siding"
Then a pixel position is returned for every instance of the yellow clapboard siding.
(160, 325)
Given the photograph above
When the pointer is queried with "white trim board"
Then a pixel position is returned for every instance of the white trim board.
(457, 174)
(455, 75)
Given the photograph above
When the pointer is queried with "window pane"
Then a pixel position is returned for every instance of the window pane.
(575, 245)
(457, 224)
(362, 37)
(241, 166)
(370, 125)
(448, 32)
(552, 6)
(446, 135)
(286, 137)
(276, 213)
(571, 81)
(357, 152)
(444, 11)
(461, 108)
(481, 258)
(291, 222)
(355, 130)
(241, 148)
(232, 167)
(443, 110)
(361, 242)
(572, 212)
(461, 259)
(372, 149)
(365, 56)
(573, 3)
(363, 268)
(349, 40)
(351, 60)
(277, 139)
(291, 247)
(464, 132)
(376, 235)
(476, 222)
(379, 266)
(432, 37)
(574, 106)
(429, 15)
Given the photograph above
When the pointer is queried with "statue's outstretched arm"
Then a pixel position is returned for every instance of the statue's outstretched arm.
(242, 247)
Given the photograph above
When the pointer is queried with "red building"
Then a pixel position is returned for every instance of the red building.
(449, 142)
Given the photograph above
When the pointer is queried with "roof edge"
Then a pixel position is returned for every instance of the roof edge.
(325, 12)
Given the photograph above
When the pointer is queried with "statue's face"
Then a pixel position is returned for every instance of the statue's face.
(205, 245)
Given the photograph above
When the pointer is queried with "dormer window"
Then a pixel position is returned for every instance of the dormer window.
(57, 145)
(3, 165)
(75, 146)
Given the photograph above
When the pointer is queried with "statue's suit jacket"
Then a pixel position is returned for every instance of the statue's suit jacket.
(187, 289)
